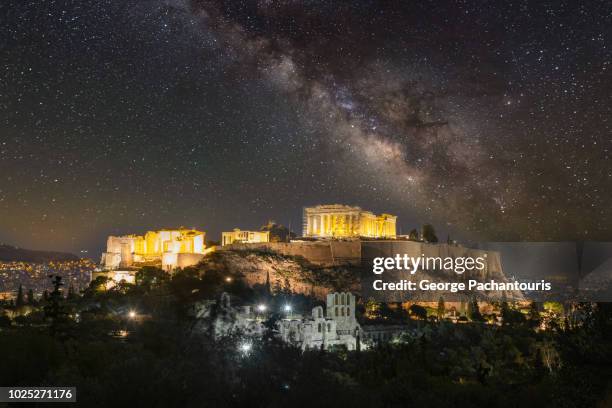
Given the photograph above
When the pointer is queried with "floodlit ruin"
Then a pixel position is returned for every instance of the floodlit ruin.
(343, 221)
(171, 248)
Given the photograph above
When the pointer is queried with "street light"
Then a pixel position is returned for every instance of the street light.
(132, 314)
(287, 308)
(245, 348)
(261, 308)
(228, 279)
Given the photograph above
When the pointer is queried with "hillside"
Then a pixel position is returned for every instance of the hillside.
(299, 275)
(293, 273)
(10, 253)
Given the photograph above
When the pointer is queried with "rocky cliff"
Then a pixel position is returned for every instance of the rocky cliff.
(287, 272)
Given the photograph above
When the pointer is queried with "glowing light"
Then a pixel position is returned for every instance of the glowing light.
(132, 314)
(262, 308)
(228, 279)
(287, 308)
(245, 348)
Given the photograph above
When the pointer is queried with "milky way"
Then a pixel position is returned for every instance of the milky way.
(489, 121)
(432, 135)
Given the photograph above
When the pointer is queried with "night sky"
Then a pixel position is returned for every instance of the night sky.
(491, 120)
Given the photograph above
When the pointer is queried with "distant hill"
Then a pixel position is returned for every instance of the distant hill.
(11, 253)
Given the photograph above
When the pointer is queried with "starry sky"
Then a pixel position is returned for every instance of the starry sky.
(490, 120)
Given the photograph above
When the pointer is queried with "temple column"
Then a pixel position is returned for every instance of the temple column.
(313, 228)
(334, 225)
(321, 224)
(347, 224)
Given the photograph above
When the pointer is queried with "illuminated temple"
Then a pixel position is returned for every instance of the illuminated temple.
(240, 236)
(342, 221)
(170, 247)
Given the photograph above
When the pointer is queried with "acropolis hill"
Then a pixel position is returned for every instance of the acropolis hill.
(334, 236)
(172, 248)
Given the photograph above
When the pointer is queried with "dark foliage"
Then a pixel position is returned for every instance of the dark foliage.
(163, 359)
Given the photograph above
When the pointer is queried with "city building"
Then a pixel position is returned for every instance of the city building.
(171, 248)
(336, 327)
(248, 237)
(342, 221)
(35, 275)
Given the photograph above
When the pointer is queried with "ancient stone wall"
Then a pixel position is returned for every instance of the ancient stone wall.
(317, 252)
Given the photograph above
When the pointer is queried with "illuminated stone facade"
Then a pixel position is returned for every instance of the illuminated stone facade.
(336, 327)
(342, 221)
(246, 237)
(155, 247)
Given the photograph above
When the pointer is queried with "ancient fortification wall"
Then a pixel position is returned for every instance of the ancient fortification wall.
(354, 252)
(316, 252)
(361, 253)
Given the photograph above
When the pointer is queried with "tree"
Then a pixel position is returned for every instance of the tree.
(97, 285)
(441, 308)
(268, 286)
(504, 309)
(150, 276)
(31, 300)
(55, 310)
(428, 233)
(413, 235)
(71, 293)
(185, 283)
(278, 232)
(418, 311)
(555, 308)
(372, 309)
(474, 311)
(548, 355)
(20, 301)
(508, 315)
(534, 315)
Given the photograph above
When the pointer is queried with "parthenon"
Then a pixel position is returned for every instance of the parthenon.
(342, 221)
